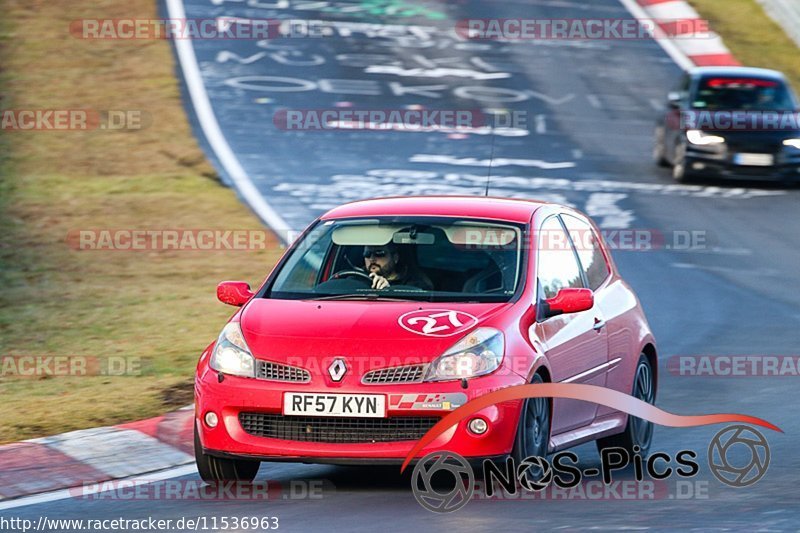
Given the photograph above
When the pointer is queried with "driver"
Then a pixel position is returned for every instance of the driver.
(385, 268)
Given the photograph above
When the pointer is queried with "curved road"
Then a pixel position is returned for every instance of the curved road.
(590, 108)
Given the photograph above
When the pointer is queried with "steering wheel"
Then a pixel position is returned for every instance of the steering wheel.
(351, 274)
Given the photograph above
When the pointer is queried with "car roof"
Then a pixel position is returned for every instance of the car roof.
(506, 209)
(737, 71)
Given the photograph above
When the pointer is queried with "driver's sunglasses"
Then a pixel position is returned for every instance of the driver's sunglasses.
(375, 253)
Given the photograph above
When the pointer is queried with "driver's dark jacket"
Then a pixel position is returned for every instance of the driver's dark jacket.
(412, 278)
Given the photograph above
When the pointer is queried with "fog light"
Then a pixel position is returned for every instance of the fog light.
(211, 419)
(478, 426)
(698, 166)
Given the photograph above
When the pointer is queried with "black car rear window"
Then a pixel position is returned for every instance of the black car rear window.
(742, 93)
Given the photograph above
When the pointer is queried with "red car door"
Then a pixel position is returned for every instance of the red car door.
(576, 344)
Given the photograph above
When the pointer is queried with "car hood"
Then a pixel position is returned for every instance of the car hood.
(278, 330)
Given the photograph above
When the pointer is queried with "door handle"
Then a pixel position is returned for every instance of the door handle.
(598, 324)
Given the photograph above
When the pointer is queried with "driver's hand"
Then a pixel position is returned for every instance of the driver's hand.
(378, 282)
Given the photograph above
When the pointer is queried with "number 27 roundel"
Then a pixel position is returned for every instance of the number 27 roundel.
(437, 322)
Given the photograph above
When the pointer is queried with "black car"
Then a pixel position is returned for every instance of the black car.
(730, 122)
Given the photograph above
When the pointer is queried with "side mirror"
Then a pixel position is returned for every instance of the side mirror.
(567, 301)
(234, 292)
(674, 99)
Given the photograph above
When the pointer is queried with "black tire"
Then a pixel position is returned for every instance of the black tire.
(215, 469)
(533, 428)
(680, 170)
(637, 432)
(659, 155)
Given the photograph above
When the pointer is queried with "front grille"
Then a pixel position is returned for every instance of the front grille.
(280, 372)
(338, 430)
(397, 374)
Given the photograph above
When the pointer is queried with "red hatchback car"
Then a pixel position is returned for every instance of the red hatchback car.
(387, 314)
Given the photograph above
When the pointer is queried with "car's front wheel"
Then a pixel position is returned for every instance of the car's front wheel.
(215, 469)
(637, 432)
(680, 168)
(659, 153)
(533, 430)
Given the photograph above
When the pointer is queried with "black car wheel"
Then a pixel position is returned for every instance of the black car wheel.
(637, 432)
(215, 469)
(680, 169)
(659, 152)
(533, 432)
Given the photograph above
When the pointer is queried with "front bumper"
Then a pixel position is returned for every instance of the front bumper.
(722, 163)
(235, 395)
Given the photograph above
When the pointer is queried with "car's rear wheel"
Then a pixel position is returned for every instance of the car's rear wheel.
(637, 432)
(215, 469)
(533, 430)
(659, 153)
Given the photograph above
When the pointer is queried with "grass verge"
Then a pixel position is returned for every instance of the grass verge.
(752, 36)
(155, 305)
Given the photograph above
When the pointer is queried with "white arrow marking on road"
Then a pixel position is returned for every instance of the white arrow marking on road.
(549, 99)
(602, 204)
(225, 56)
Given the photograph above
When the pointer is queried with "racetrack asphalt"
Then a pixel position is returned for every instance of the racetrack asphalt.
(590, 108)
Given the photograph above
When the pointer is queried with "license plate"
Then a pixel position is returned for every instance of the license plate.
(754, 160)
(359, 405)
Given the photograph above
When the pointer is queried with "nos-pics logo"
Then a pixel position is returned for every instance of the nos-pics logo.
(443, 481)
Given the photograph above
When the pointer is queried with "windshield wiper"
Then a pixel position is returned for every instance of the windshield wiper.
(371, 297)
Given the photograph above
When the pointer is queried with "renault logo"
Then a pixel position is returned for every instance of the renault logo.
(337, 370)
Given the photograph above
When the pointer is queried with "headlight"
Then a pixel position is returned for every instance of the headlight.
(794, 143)
(231, 354)
(701, 138)
(477, 354)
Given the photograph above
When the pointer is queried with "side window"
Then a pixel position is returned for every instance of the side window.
(301, 270)
(557, 267)
(683, 85)
(686, 83)
(590, 253)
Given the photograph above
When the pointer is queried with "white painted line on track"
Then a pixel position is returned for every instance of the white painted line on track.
(213, 132)
(727, 270)
(65, 494)
(715, 250)
(494, 163)
(656, 104)
(669, 47)
(675, 10)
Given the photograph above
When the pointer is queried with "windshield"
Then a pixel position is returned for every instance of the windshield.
(409, 258)
(750, 94)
